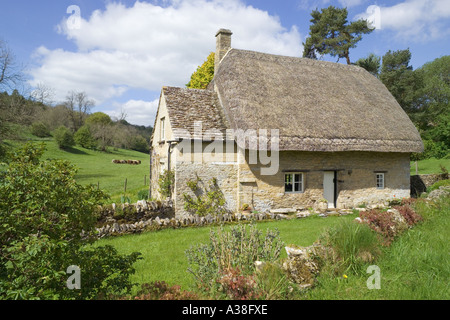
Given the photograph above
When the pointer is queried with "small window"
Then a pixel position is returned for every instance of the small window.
(293, 182)
(380, 180)
(163, 129)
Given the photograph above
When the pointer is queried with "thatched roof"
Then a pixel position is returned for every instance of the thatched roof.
(316, 105)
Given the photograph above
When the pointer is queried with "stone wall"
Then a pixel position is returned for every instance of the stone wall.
(225, 173)
(355, 174)
(154, 216)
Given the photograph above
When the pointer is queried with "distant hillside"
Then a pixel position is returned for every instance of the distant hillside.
(97, 167)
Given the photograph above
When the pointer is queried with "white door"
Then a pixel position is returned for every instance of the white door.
(328, 187)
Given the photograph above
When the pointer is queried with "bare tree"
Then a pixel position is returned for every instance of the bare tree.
(79, 106)
(10, 73)
(43, 94)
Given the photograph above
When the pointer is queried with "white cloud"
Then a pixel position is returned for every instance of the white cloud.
(147, 46)
(137, 112)
(415, 20)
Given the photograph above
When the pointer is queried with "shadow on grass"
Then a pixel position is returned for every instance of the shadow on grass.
(75, 151)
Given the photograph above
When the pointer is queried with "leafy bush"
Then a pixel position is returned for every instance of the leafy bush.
(410, 216)
(46, 222)
(40, 130)
(383, 222)
(83, 137)
(64, 137)
(238, 286)
(208, 201)
(226, 251)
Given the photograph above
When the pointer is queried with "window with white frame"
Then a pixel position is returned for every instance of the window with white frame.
(293, 182)
(380, 180)
(163, 129)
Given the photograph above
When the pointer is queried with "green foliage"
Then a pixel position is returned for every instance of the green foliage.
(98, 118)
(400, 79)
(355, 244)
(239, 248)
(437, 185)
(273, 282)
(83, 137)
(209, 200)
(204, 74)
(46, 221)
(371, 63)
(63, 137)
(40, 130)
(330, 33)
(166, 183)
(142, 195)
(432, 149)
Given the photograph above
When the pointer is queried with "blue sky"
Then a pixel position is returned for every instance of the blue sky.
(122, 52)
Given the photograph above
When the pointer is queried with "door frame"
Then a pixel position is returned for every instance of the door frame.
(333, 186)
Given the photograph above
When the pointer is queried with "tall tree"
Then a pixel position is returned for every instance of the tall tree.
(371, 63)
(400, 79)
(330, 33)
(78, 104)
(10, 73)
(203, 75)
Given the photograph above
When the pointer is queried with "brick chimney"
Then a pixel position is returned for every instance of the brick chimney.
(223, 44)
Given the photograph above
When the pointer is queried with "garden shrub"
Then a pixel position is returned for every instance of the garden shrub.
(238, 286)
(238, 248)
(47, 222)
(408, 213)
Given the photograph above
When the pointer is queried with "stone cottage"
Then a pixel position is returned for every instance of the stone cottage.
(282, 132)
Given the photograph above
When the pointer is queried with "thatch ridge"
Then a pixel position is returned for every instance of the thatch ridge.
(316, 105)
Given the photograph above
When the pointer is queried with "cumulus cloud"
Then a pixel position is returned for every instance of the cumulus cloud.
(147, 46)
(137, 112)
(414, 20)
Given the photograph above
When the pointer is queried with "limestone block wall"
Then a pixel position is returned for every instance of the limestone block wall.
(225, 173)
(356, 175)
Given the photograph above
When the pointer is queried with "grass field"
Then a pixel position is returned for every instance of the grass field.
(416, 266)
(163, 251)
(96, 167)
(430, 166)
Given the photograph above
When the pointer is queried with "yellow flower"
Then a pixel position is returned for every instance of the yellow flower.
(345, 276)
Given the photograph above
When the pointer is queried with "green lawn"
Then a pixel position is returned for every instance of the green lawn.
(415, 267)
(430, 166)
(96, 167)
(164, 251)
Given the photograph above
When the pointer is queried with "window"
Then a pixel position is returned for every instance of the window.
(293, 182)
(163, 129)
(380, 180)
